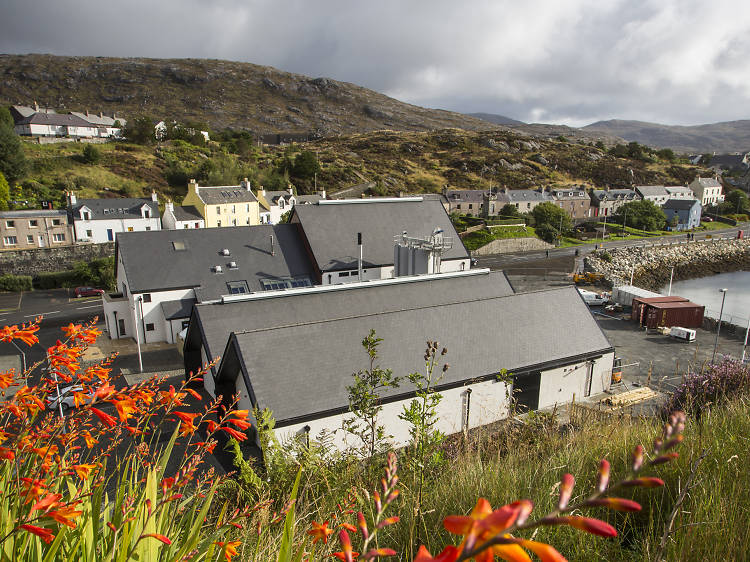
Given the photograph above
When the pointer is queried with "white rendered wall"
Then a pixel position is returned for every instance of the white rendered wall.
(557, 386)
(489, 403)
(99, 228)
(153, 314)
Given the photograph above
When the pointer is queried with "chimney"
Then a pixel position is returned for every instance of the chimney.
(323, 194)
(154, 196)
(400, 193)
(101, 115)
(193, 186)
(87, 113)
(169, 206)
(36, 106)
(291, 189)
(71, 198)
(246, 184)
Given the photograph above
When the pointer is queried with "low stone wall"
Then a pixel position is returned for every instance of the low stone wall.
(469, 230)
(44, 260)
(510, 245)
(652, 264)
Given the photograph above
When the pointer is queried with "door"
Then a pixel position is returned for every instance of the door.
(110, 235)
(41, 241)
(526, 391)
(121, 326)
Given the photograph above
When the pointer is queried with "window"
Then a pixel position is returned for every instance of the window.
(56, 222)
(186, 225)
(33, 223)
(147, 213)
(343, 274)
(60, 237)
(85, 215)
(29, 238)
(237, 287)
(148, 228)
(185, 324)
(234, 222)
(179, 245)
(89, 234)
(197, 225)
(247, 208)
(275, 284)
(281, 203)
(218, 223)
(471, 206)
(10, 240)
(234, 210)
(150, 327)
(218, 210)
(10, 224)
(146, 297)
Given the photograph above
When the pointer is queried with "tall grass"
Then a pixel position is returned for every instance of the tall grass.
(712, 521)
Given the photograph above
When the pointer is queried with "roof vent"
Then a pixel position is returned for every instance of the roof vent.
(225, 252)
(232, 265)
(217, 269)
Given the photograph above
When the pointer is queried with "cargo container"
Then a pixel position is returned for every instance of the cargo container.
(640, 302)
(667, 314)
(624, 294)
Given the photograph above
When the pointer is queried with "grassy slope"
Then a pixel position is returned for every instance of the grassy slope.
(711, 524)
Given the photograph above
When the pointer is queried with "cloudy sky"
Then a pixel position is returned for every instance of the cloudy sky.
(552, 61)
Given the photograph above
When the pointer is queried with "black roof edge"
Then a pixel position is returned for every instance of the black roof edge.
(440, 388)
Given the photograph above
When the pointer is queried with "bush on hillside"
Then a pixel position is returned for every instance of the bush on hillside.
(714, 384)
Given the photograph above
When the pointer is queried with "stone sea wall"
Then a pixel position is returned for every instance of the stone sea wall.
(42, 260)
(509, 245)
(652, 264)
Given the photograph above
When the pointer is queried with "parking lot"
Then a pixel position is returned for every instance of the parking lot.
(659, 361)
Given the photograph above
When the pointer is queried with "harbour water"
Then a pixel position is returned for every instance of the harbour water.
(705, 291)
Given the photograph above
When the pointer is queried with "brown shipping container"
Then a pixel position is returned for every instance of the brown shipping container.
(639, 302)
(667, 314)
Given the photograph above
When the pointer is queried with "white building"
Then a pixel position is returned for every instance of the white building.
(55, 125)
(99, 220)
(273, 204)
(547, 341)
(181, 217)
(160, 275)
(679, 192)
(657, 194)
(707, 191)
(108, 127)
(333, 230)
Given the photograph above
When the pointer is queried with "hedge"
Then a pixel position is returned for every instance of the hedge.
(15, 283)
(56, 280)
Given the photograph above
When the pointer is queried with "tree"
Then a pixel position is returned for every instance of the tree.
(666, 154)
(509, 211)
(4, 193)
(140, 130)
(551, 222)
(644, 215)
(364, 400)
(736, 201)
(12, 160)
(91, 154)
(305, 165)
(5, 117)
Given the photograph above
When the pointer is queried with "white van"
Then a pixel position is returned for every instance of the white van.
(593, 299)
(685, 334)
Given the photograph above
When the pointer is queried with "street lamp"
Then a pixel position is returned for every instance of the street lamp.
(718, 328)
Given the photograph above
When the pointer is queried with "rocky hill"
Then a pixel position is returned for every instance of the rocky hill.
(730, 136)
(222, 94)
(496, 119)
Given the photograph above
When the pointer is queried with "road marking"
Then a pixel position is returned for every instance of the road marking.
(91, 306)
(41, 314)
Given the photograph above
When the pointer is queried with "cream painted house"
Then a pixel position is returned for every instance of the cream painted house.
(224, 205)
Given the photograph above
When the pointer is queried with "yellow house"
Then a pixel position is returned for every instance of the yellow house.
(224, 205)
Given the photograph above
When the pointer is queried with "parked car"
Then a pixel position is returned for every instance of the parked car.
(707, 219)
(67, 399)
(87, 292)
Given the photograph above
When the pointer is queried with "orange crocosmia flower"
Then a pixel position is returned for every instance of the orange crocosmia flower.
(125, 408)
(65, 515)
(45, 534)
(171, 396)
(482, 525)
(106, 419)
(6, 379)
(33, 488)
(206, 446)
(90, 441)
(187, 426)
(229, 548)
(49, 501)
(104, 392)
(194, 394)
(25, 334)
(234, 433)
(71, 330)
(449, 554)
(7, 454)
(83, 470)
(161, 538)
(241, 424)
(320, 532)
(80, 398)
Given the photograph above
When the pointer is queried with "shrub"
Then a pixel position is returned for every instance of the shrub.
(91, 154)
(56, 280)
(714, 384)
(606, 256)
(15, 283)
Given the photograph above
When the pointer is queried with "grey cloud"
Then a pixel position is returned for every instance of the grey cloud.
(670, 61)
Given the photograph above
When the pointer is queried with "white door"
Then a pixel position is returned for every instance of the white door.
(41, 241)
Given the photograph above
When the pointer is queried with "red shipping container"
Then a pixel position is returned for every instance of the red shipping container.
(667, 314)
(640, 302)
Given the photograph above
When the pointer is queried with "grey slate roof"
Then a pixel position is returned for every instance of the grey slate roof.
(217, 321)
(466, 195)
(614, 194)
(188, 213)
(675, 189)
(225, 194)
(331, 230)
(680, 204)
(517, 332)
(152, 263)
(519, 195)
(101, 121)
(306, 199)
(115, 208)
(54, 119)
(651, 191)
(34, 213)
(177, 309)
(708, 182)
